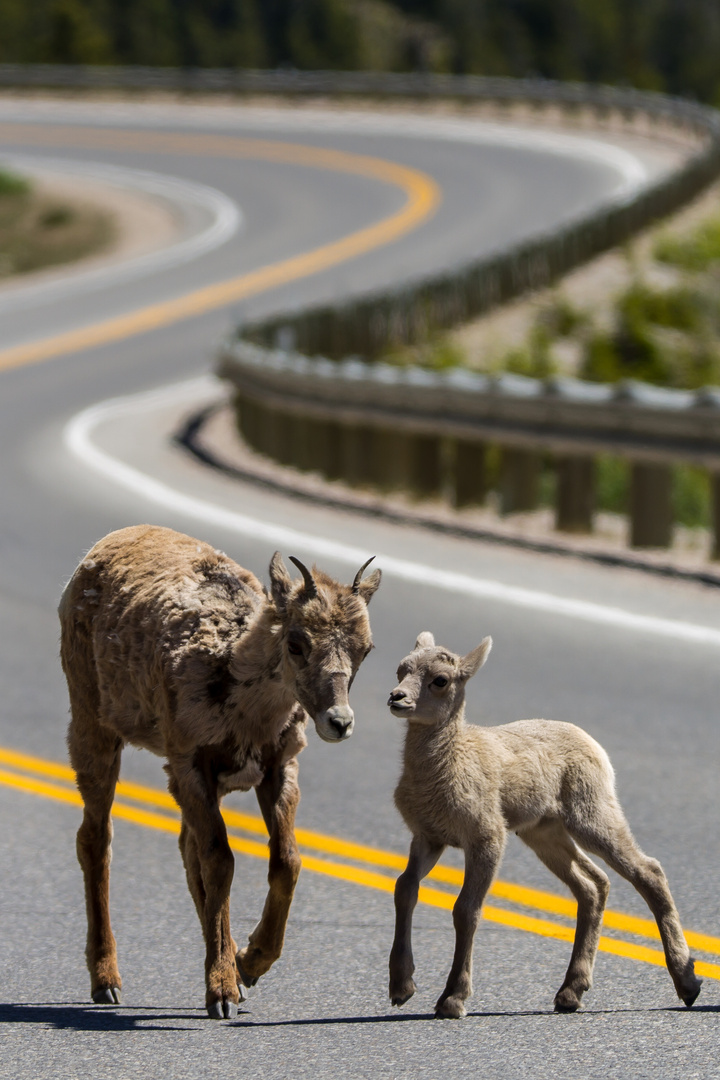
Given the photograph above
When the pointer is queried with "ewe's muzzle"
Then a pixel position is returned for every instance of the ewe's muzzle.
(335, 723)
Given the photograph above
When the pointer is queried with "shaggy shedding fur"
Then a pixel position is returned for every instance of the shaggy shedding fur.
(168, 644)
(551, 783)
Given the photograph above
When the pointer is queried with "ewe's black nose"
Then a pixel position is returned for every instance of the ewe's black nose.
(341, 725)
(396, 695)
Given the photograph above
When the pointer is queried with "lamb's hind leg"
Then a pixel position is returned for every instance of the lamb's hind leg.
(608, 835)
(278, 796)
(95, 756)
(590, 886)
(423, 856)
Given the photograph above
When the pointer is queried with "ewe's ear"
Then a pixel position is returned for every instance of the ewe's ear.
(425, 641)
(475, 659)
(367, 588)
(280, 582)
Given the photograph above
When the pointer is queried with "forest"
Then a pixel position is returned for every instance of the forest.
(668, 45)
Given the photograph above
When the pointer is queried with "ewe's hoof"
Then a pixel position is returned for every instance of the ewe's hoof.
(566, 1001)
(402, 992)
(450, 1009)
(110, 995)
(222, 1010)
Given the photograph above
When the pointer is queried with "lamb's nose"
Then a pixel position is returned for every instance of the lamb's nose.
(396, 695)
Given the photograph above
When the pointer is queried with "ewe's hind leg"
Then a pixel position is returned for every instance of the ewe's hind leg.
(95, 756)
(423, 856)
(608, 835)
(481, 862)
(590, 886)
(278, 796)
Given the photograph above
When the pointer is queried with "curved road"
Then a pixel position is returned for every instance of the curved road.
(329, 204)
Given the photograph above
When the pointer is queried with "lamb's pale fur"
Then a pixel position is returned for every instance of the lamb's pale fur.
(168, 644)
(551, 783)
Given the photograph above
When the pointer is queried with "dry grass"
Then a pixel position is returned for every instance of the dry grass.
(39, 231)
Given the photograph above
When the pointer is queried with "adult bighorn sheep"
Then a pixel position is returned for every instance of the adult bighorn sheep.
(168, 644)
(551, 783)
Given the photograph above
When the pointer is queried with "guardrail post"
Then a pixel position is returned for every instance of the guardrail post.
(651, 517)
(357, 455)
(575, 497)
(470, 474)
(715, 524)
(392, 465)
(519, 480)
(426, 470)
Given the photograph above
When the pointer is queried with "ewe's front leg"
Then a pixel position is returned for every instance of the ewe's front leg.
(278, 796)
(423, 856)
(209, 865)
(481, 862)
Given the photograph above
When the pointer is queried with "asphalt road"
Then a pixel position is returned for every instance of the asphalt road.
(646, 688)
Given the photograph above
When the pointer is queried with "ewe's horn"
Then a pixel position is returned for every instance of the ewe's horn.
(361, 571)
(310, 586)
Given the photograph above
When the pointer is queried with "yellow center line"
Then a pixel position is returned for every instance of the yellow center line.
(422, 197)
(368, 878)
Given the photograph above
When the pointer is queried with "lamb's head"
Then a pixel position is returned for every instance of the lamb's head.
(431, 681)
(325, 634)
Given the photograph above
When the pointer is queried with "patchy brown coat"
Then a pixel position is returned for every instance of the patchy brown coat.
(169, 645)
(551, 783)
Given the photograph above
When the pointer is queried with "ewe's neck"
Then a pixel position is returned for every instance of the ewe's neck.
(258, 670)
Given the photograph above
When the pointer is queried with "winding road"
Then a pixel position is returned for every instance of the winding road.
(278, 208)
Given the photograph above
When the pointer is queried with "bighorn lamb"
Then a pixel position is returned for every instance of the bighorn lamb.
(549, 782)
(168, 644)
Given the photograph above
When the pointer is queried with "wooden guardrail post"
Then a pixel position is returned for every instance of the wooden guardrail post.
(715, 510)
(575, 497)
(469, 473)
(426, 472)
(519, 480)
(651, 516)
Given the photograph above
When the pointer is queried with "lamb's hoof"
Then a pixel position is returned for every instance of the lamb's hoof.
(690, 997)
(110, 995)
(242, 993)
(451, 1008)
(222, 1010)
(247, 980)
(566, 1001)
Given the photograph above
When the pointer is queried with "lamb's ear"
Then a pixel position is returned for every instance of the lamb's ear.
(280, 582)
(425, 641)
(474, 660)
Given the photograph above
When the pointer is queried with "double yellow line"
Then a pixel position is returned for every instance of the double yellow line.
(363, 865)
(421, 198)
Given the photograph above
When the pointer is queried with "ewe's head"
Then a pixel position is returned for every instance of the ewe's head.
(431, 681)
(325, 634)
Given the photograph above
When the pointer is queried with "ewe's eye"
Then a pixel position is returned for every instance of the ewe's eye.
(442, 680)
(294, 648)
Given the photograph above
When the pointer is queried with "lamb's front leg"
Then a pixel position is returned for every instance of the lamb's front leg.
(423, 857)
(278, 796)
(481, 862)
(210, 866)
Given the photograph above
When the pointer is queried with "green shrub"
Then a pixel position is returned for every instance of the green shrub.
(694, 252)
(691, 496)
(612, 478)
(12, 185)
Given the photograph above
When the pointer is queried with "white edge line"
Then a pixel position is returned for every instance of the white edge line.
(226, 218)
(77, 437)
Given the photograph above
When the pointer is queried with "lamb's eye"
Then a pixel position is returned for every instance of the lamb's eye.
(442, 680)
(294, 648)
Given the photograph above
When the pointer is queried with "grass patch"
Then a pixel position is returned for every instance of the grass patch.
(38, 231)
(694, 253)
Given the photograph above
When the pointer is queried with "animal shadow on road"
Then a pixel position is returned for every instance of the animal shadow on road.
(74, 1016)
